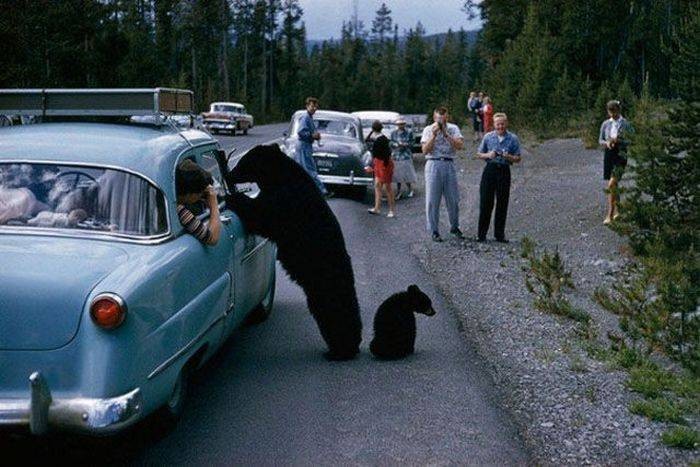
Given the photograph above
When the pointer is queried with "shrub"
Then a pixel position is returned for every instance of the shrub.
(681, 437)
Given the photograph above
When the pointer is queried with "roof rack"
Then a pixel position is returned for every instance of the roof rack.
(96, 102)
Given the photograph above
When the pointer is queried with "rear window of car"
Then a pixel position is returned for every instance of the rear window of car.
(80, 198)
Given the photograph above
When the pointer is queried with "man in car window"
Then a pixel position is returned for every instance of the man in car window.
(194, 184)
(306, 135)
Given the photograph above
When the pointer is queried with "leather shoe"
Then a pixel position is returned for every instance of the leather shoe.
(437, 237)
(457, 233)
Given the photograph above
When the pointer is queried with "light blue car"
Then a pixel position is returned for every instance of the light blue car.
(106, 304)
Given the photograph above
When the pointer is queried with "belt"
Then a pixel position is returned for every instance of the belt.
(439, 158)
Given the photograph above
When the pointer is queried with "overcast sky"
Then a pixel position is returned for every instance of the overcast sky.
(324, 18)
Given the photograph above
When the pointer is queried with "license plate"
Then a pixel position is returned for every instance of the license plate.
(324, 163)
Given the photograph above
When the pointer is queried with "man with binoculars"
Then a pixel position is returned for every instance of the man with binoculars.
(500, 149)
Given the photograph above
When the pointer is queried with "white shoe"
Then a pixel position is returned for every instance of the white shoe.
(409, 194)
(391, 214)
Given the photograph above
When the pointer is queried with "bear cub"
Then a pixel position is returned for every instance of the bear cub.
(395, 324)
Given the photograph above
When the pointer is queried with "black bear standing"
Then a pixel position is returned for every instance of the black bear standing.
(395, 324)
(291, 212)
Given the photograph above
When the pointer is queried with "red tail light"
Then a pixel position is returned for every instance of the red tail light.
(108, 310)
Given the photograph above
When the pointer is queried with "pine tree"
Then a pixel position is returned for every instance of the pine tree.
(382, 23)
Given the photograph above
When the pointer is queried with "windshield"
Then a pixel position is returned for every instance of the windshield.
(227, 108)
(80, 198)
(327, 126)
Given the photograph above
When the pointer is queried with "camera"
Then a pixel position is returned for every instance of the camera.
(499, 153)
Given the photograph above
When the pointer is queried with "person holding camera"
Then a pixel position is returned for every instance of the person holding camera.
(499, 148)
(613, 139)
(193, 184)
(440, 143)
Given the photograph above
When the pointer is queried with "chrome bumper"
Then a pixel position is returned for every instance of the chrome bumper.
(346, 180)
(85, 415)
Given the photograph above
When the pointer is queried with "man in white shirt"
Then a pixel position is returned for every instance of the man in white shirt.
(440, 143)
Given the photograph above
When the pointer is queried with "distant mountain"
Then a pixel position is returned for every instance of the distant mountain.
(438, 39)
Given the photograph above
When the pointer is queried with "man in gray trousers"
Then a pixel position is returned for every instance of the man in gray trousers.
(440, 143)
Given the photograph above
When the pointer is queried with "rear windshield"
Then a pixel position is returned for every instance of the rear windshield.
(80, 198)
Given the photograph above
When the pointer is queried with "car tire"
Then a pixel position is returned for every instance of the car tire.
(262, 311)
(5, 120)
(233, 132)
(245, 132)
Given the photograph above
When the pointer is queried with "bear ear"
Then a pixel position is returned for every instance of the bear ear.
(413, 289)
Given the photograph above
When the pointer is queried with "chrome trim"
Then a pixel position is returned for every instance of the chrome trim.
(39, 407)
(159, 238)
(81, 414)
(346, 180)
(254, 250)
(329, 155)
(70, 233)
(163, 366)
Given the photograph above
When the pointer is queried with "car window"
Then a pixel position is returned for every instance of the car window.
(225, 108)
(80, 198)
(211, 165)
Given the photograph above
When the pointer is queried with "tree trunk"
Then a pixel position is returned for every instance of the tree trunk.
(245, 69)
(224, 52)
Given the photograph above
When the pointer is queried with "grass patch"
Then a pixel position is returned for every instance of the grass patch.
(660, 410)
(681, 437)
(650, 382)
(548, 279)
(577, 365)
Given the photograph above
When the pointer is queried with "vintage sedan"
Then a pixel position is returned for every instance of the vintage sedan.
(387, 118)
(416, 123)
(227, 117)
(107, 304)
(340, 154)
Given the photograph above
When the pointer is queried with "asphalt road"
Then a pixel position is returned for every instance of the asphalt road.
(269, 397)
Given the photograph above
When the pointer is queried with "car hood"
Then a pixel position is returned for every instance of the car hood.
(44, 282)
(340, 146)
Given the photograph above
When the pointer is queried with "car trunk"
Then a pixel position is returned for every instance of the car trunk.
(44, 282)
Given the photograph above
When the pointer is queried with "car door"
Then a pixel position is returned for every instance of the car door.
(247, 266)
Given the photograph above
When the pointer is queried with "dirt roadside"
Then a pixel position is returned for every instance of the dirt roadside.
(571, 408)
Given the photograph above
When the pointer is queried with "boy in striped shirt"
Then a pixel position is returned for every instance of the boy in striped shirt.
(194, 184)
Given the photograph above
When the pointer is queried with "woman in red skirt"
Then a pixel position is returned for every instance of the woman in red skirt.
(382, 166)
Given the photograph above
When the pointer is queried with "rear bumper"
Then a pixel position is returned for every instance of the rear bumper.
(346, 180)
(85, 415)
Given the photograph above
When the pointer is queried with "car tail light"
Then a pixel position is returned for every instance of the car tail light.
(108, 310)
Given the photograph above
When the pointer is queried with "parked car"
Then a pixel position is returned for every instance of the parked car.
(9, 120)
(367, 117)
(341, 154)
(227, 117)
(107, 304)
(416, 123)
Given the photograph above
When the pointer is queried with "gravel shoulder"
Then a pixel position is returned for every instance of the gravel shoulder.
(571, 409)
